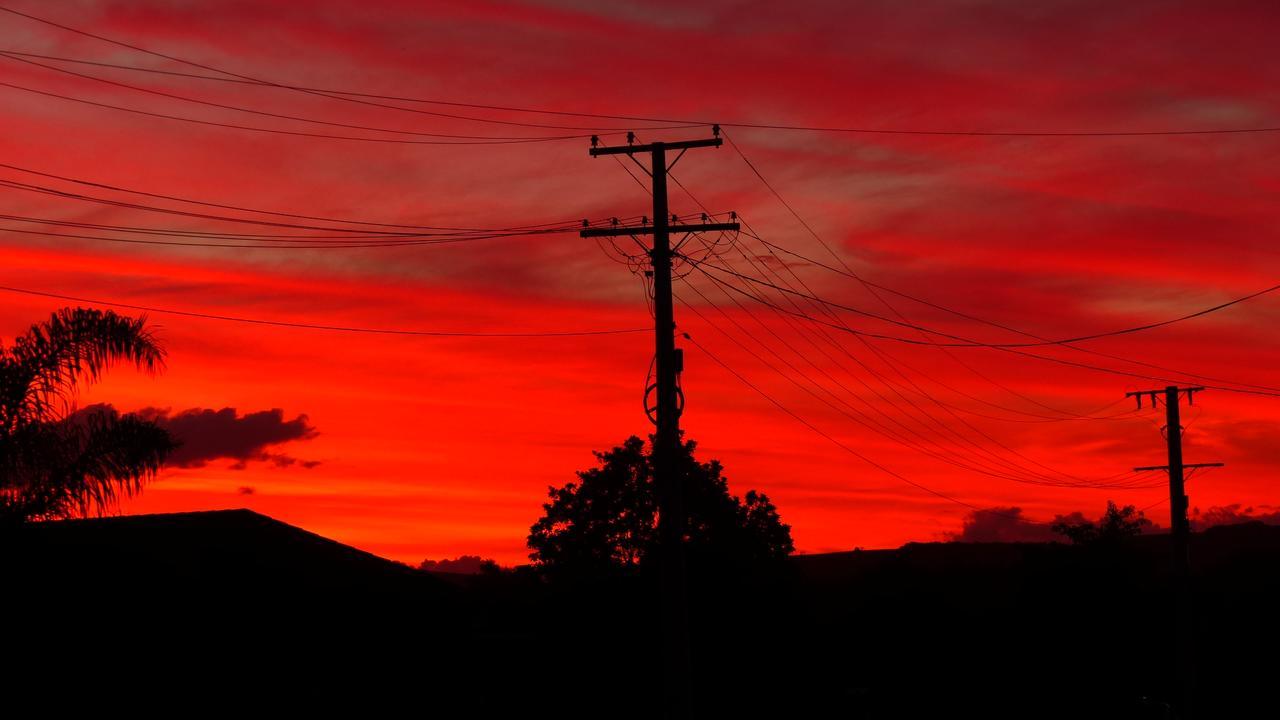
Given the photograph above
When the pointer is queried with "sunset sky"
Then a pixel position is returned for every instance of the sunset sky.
(428, 447)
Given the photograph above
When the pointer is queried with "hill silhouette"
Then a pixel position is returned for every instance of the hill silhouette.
(234, 607)
(227, 607)
(927, 630)
(208, 551)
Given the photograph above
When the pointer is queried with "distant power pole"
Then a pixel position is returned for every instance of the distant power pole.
(669, 405)
(1180, 528)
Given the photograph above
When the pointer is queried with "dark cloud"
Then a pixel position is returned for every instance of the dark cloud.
(207, 435)
(1007, 524)
(1002, 524)
(1233, 514)
(464, 564)
(246, 490)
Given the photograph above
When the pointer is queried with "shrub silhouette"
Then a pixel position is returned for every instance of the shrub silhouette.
(1116, 525)
(54, 462)
(608, 520)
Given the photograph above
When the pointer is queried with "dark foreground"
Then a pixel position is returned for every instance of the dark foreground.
(232, 610)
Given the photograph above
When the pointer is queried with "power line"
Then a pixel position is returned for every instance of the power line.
(857, 416)
(893, 362)
(871, 290)
(257, 83)
(352, 96)
(798, 418)
(274, 131)
(332, 328)
(1010, 350)
(241, 208)
(878, 351)
(771, 246)
(943, 347)
(272, 244)
(346, 97)
(271, 237)
(895, 389)
(979, 465)
(279, 116)
(872, 287)
(977, 344)
(372, 234)
(1111, 482)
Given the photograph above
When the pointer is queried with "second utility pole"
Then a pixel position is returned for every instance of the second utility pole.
(1180, 533)
(666, 446)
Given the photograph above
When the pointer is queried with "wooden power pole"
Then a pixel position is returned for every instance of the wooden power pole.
(1180, 529)
(666, 447)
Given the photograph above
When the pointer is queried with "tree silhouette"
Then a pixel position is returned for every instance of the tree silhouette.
(607, 521)
(1117, 524)
(55, 462)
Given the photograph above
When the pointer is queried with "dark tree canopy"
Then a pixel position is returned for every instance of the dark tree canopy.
(1116, 524)
(56, 463)
(608, 519)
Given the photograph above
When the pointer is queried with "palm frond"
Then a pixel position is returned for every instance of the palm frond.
(54, 463)
(79, 466)
(75, 345)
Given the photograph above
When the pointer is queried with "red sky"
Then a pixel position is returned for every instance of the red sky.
(430, 447)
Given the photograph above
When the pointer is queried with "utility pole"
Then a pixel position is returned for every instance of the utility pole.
(1180, 528)
(666, 447)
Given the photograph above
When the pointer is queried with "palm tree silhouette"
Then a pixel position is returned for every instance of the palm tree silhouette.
(56, 462)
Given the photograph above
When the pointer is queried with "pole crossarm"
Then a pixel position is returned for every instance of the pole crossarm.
(1187, 466)
(650, 147)
(649, 229)
(1154, 394)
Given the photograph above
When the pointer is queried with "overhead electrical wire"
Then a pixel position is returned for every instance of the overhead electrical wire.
(994, 345)
(942, 347)
(259, 211)
(277, 244)
(1015, 351)
(274, 243)
(823, 308)
(331, 328)
(281, 116)
(1003, 468)
(1035, 476)
(1071, 480)
(872, 290)
(258, 81)
(947, 428)
(843, 446)
(894, 362)
(276, 131)
(270, 223)
(418, 111)
(855, 415)
(858, 416)
(1043, 340)
(1061, 343)
(273, 237)
(355, 97)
